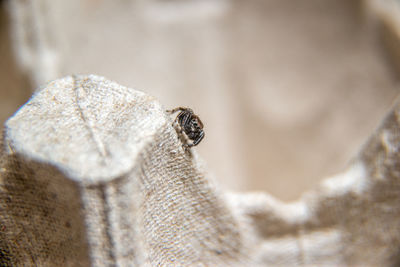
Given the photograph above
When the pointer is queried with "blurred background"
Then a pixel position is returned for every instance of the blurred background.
(288, 90)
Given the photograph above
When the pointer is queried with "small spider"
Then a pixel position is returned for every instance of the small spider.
(190, 124)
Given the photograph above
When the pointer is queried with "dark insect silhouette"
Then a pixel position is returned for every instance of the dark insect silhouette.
(190, 124)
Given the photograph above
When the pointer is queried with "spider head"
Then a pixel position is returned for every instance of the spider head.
(190, 124)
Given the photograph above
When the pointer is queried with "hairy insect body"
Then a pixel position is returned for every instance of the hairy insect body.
(190, 124)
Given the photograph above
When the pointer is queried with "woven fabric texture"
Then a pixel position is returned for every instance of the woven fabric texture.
(94, 174)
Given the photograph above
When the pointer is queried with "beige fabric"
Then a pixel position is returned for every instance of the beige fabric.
(115, 183)
(93, 173)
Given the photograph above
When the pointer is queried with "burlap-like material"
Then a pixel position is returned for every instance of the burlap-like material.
(94, 174)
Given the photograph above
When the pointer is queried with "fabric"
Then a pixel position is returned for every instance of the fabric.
(94, 173)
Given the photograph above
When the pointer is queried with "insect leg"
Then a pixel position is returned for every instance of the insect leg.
(172, 111)
(201, 136)
(184, 118)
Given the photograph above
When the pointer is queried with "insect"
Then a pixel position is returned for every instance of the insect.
(190, 124)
